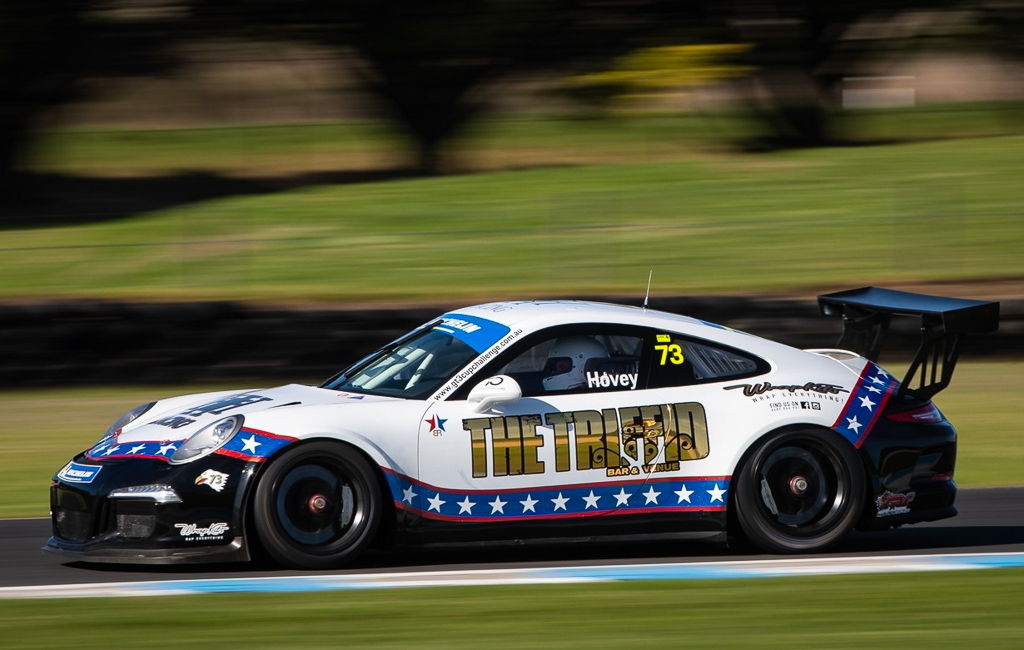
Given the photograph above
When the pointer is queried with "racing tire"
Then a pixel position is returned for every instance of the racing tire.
(317, 506)
(799, 490)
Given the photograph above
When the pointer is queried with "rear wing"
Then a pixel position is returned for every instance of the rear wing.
(866, 315)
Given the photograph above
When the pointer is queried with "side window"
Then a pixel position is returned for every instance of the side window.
(679, 361)
(577, 361)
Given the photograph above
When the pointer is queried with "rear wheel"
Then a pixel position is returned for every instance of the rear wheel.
(317, 506)
(799, 491)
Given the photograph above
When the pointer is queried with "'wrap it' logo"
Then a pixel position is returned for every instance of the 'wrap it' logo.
(195, 532)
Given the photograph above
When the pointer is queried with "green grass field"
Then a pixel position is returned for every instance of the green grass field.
(43, 429)
(963, 609)
(574, 210)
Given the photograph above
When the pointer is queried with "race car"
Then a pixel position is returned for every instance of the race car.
(537, 420)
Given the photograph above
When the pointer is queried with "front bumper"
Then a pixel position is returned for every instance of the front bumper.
(196, 515)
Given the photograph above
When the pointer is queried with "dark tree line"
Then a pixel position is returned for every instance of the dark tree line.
(428, 61)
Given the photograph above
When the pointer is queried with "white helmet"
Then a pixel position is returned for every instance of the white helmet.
(565, 367)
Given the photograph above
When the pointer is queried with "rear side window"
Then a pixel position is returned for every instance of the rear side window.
(680, 361)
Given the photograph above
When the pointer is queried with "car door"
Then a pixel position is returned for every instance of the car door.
(549, 454)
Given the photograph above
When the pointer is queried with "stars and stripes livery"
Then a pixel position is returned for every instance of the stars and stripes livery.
(248, 444)
(867, 401)
(688, 494)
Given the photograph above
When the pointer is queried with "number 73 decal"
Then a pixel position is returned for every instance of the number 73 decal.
(670, 352)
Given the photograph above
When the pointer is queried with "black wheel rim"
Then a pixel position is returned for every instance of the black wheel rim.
(802, 486)
(319, 506)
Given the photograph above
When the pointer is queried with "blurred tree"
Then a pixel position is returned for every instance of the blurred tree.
(38, 43)
(431, 61)
(49, 49)
(803, 49)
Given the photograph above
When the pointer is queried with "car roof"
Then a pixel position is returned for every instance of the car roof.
(536, 314)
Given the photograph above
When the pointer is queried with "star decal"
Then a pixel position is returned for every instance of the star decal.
(716, 494)
(651, 496)
(165, 449)
(878, 380)
(111, 450)
(497, 505)
(591, 500)
(873, 389)
(528, 503)
(466, 506)
(250, 444)
(436, 503)
(866, 402)
(622, 498)
(853, 425)
(684, 494)
(560, 502)
(136, 449)
(408, 495)
(436, 422)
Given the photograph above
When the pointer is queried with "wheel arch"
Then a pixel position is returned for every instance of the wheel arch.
(755, 443)
(386, 530)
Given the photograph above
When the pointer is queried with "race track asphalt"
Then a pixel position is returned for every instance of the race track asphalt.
(990, 520)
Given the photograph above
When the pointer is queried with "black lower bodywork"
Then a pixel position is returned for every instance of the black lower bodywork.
(910, 471)
(207, 525)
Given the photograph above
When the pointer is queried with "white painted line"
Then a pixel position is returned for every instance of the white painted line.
(533, 576)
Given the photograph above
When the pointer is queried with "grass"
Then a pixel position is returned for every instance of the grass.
(43, 429)
(969, 608)
(490, 143)
(944, 210)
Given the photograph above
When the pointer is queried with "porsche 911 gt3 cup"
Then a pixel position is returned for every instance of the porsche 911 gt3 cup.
(537, 419)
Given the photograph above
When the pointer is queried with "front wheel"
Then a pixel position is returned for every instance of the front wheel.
(317, 506)
(799, 491)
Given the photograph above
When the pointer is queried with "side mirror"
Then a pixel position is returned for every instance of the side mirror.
(496, 390)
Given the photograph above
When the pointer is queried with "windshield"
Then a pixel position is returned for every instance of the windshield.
(416, 365)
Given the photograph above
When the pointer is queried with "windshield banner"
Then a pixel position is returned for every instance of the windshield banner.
(477, 333)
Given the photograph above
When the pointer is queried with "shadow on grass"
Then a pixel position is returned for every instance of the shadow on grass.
(47, 200)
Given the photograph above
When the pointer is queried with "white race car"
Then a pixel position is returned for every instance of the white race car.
(535, 419)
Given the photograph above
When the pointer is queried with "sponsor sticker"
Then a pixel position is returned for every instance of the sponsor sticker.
(76, 473)
(436, 424)
(216, 480)
(894, 503)
(197, 533)
(478, 333)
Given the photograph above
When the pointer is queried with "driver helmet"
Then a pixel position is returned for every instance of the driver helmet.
(567, 359)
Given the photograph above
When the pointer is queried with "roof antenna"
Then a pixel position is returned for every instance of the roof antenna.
(648, 294)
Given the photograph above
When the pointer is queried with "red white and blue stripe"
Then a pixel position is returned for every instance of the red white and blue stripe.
(248, 444)
(694, 493)
(867, 401)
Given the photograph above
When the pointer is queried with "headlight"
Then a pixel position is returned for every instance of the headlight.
(126, 419)
(207, 440)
